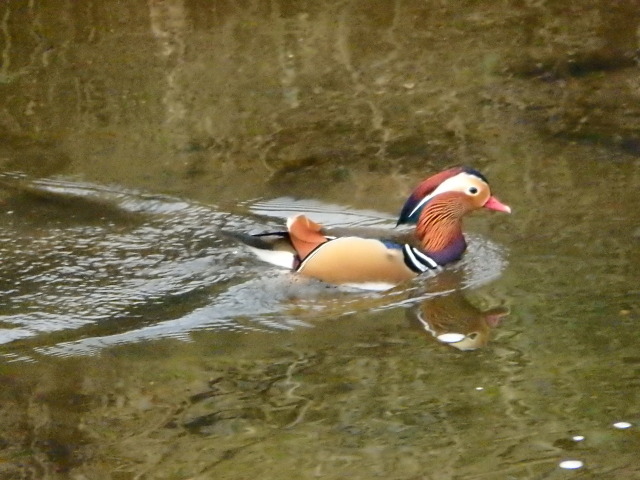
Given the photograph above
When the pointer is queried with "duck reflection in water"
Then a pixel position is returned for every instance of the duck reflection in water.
(454, 320)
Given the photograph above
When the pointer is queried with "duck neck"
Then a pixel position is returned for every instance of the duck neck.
(439, 231)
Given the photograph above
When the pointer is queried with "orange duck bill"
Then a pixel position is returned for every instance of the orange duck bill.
(494, 204)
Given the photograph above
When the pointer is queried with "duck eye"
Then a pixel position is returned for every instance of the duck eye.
(473, 190)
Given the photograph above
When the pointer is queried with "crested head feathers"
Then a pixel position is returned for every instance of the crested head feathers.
(430, 187)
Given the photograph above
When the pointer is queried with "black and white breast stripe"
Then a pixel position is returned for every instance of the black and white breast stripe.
(418, 261)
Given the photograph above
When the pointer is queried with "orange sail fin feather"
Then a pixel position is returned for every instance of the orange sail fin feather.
(305, 235)
(436, 208)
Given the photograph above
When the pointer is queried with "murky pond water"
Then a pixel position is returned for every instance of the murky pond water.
(138, 341)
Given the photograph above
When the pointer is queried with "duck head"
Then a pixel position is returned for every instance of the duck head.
(457, 179)
(438, 205)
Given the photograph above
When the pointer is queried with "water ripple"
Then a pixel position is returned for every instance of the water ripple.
(87, 266)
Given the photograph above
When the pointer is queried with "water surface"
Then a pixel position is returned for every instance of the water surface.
(136, 341)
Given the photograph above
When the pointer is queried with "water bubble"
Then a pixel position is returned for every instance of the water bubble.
(622, 425)
(571, 464)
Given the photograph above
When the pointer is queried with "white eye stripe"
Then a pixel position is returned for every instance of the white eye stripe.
(457, 183)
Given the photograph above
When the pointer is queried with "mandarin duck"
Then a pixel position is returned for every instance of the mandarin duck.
(435, 208)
